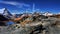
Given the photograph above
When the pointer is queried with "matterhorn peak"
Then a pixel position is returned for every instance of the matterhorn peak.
(2, 10)
(6, 12)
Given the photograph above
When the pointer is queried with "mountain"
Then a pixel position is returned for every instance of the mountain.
(47, 13)
(17, 15)
(6, 13)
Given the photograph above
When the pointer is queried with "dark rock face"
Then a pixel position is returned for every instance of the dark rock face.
(37, 28)
(2, 24)
(6, 13)
(2, 18)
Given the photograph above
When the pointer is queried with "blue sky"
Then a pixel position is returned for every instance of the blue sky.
(19, 6)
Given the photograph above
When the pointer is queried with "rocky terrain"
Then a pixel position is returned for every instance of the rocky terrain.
(33, 23)
(31, 27)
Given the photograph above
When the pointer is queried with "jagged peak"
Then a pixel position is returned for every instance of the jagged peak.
(6, 12)
(2, 10)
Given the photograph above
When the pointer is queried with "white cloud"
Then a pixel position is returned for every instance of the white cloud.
(6, 2)
(17, 4)
(2, 10)
(59, 13)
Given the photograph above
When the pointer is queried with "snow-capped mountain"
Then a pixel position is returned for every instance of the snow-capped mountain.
(47, 14)
(5, 12)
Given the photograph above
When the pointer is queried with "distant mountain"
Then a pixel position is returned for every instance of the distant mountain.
(47, 13)
(17, 15)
